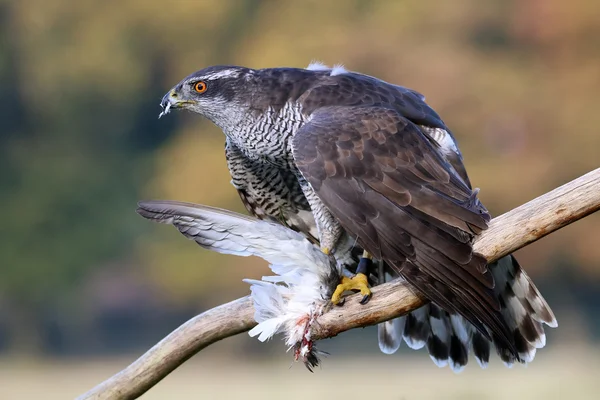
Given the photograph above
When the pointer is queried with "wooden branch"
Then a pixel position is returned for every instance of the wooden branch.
(199, 332)
(506, 233)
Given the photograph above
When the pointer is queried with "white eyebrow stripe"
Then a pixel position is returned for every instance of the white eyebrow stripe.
(226, 73)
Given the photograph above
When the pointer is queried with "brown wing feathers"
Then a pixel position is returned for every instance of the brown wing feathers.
(447, 273)
(388, 186)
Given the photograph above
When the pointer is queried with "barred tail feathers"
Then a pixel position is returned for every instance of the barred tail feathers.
(523, 308)
(450, 337)
(389, 335)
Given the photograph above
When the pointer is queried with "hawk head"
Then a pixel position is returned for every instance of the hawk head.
(211, 92)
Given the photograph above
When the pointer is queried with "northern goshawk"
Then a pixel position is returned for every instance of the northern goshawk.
(354, 162)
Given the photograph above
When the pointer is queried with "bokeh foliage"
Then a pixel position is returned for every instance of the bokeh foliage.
(517, 81)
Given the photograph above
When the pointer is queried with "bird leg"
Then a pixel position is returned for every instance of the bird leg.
(357, 282)
(329, 228)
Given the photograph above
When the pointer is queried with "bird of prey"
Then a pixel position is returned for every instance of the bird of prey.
(288, 302)
(353, 162)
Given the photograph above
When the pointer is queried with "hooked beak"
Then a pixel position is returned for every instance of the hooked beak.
(169, 101)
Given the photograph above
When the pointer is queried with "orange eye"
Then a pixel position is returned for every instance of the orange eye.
(200, 87)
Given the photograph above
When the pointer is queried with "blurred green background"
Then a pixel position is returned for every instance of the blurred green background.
(86, 285)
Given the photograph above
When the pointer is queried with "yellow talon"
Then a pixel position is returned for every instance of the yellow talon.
(358, 282)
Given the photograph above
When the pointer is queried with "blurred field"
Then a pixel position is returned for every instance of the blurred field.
(82, 277)
(556, 374)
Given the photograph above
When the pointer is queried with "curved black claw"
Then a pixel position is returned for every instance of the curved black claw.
(365, 299)
(341, 302)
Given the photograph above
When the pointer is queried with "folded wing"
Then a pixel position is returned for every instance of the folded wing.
(389, 186)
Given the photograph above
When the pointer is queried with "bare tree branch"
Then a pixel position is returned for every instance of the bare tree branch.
(506, 233)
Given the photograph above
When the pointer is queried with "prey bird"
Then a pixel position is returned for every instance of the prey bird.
(289, 302)
(358, 164)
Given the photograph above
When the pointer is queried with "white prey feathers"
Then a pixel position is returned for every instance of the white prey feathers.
(288, 302)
